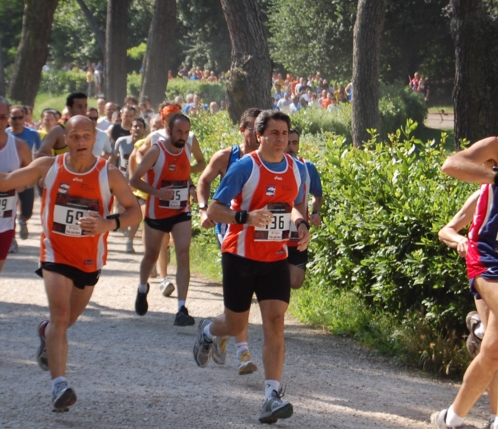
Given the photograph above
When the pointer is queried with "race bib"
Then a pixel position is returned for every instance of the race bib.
(278, 229)
(123, 163)
(180, 197)
(7, 203)
(68, 210)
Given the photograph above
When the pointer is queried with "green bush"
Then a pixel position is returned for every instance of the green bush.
(62, 82)
(208, 91)
(384, 206)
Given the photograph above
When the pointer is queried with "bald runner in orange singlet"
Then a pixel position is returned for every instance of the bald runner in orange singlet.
(76, 204)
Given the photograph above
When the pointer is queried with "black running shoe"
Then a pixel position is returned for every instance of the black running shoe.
(141, 305)
(182, 318)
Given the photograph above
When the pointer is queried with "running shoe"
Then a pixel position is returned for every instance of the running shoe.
(182, 318)
(274, 408)
(141, 304)
(166, 287)
(14, 248)
(437, 420)
(246, 365)
(41, 353)
(63, 397)
(473, 341)
(129, 247)
(23, 229)
(202, 346)
(220, 350)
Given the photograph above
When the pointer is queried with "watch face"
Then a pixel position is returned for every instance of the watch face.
(203, 206)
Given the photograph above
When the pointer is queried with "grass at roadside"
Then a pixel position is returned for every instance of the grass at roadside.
(44, 101)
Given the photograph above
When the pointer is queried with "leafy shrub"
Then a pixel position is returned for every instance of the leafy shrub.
(62, 82)
(133, 83)
(208, 91)
(383, 209)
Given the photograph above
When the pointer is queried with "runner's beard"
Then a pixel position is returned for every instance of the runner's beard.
(179, 143)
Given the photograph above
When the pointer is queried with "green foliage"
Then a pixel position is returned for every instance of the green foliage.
(133, 83)
(60, 82)
(137, 52)
(383, 209)
(209, 91)
(398, 103)
(310, 36)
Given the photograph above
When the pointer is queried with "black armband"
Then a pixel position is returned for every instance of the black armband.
(192, 186)
(302, 221)
(116, 218)
(241, 216)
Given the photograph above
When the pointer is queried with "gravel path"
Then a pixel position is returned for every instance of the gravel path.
(138, 372)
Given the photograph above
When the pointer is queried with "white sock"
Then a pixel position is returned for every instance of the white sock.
(58, 380)
(180, 304)
(270, 386)
(479, 332)
(143, 288)
(241, 348)
(453, 419)
(207, 333)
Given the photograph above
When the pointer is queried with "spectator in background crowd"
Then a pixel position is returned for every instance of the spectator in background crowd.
(28, 117)
(278, 92)
(423, 88)
(179, 101)
(130, 100)
(89, 81)
(284, 103)
(183, 73)
(213, 108)
(414, 82)
(102, 146)
(295, 105)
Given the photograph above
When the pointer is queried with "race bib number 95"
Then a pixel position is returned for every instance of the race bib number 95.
(278, 229)
(180, 197)
(67, 212)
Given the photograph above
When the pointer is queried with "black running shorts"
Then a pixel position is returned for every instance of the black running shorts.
(297, 258)
(166, 225)
(244, 277)
(79, 278)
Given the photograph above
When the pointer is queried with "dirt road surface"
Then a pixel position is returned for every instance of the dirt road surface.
(138, 372)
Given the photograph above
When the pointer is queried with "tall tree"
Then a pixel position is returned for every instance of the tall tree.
(250, 73)
(92, 22)
(159, 47)
(366, 66)
(475, 93)
(33, 50)
(115, 50)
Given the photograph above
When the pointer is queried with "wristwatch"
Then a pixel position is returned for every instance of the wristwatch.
(203, 206)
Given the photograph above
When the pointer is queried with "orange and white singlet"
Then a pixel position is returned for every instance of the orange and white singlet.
(67, 197)
(9, 161)
(275, 191)
(169, 170)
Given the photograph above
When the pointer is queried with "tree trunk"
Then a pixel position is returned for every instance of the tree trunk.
(115, 50)
(33, 50)
(250, 73)
(2, 75)
(93, 25)
(366, 66)
(159, 48)
(475, 91)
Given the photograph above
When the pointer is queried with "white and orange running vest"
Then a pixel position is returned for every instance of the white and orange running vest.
(169, 170)
(275, 191)
(67, 197)
(9, 161)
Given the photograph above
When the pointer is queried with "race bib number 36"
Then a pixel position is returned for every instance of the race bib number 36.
(180, 197)
(278, 229)
(67, 212)
(7, 203)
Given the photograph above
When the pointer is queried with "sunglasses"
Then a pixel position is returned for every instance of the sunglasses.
(16, 118)
(93, 118)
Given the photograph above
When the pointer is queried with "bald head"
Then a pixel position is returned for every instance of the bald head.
(79, 120)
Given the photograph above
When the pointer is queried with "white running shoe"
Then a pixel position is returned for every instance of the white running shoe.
(166, 287)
